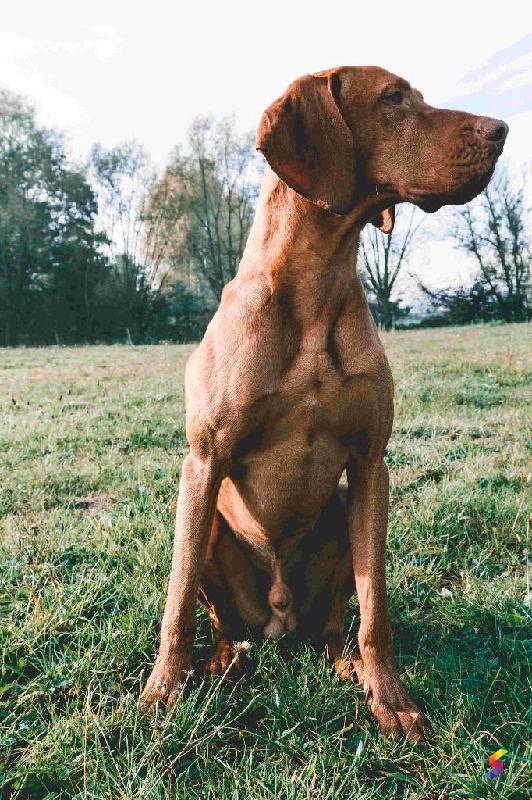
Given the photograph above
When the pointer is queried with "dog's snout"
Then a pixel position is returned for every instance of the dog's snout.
(495, 130)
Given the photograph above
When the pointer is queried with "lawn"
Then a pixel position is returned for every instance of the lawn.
(91, 443)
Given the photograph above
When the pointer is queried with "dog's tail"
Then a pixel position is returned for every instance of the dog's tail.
(279, 597)
(280, 601)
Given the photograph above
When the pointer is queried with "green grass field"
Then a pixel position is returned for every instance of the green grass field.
(90, 450)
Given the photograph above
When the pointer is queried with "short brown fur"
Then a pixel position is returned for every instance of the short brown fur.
(290, 386)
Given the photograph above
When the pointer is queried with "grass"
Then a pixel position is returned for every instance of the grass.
(91, 442)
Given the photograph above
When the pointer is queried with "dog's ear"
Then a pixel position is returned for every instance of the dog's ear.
(307, 142)
(385, 220)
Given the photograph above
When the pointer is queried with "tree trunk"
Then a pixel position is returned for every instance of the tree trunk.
(386, 313)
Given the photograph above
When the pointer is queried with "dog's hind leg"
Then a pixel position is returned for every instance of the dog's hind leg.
(333, 632)
(227, 627)
(323, 583)
(235, 597)
(348, 666)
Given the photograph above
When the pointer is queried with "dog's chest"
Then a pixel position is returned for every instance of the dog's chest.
(299, 432)
(306, 421)
(316, 394)
(291, 462)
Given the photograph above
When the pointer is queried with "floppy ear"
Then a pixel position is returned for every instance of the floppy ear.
(307, 142)
(385, 220)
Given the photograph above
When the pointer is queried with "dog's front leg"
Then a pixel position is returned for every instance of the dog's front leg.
(198, 490)
(368, 522)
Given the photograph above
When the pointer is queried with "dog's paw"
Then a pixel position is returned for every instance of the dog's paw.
(396, 714)
(396, 723)
(228, 658)
(164, 685)
(349, 668)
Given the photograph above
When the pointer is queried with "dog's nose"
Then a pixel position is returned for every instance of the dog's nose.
(495, 130)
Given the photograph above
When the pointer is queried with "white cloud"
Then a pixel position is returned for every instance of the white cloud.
(106, 42)
(520, 143)
(25, 68)
(515, 72)
(58, 108)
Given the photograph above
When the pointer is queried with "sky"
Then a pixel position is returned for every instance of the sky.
(111, 71)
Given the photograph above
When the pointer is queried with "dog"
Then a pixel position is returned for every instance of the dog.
(290, 387)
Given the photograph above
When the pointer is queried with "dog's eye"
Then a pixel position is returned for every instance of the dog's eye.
(395, 98)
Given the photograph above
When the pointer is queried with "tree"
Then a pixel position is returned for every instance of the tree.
(382, 256)
(139, 221)
(184, 316)
(65, 304)
(44, 208)
(494, 229)
(216, 180)
(461, 305)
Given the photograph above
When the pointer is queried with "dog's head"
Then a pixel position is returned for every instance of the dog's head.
(342, 135)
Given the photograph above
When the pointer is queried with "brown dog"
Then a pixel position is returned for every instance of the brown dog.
(290, 385)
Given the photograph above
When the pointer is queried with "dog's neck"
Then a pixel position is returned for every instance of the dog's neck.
(307, 254)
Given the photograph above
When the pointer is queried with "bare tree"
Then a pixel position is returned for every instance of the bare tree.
(216, 178)
(382, 256)
(495, 230)
(140, 217)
